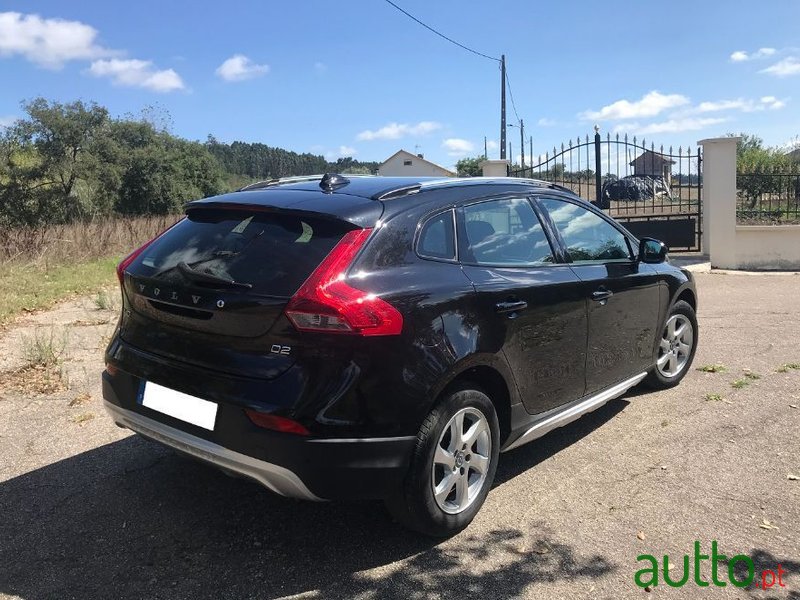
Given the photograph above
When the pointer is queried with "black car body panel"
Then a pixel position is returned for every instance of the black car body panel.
(362, 399)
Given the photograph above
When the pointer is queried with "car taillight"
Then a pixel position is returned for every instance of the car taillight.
(126, 262)
(276, 423)
(326, 303)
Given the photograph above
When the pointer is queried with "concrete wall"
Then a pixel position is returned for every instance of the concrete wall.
(732, 246)
(768, 247)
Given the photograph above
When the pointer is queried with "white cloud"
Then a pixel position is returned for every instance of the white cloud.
(395, 131)
(492, 145)
(48, 42)
(742, 56)
(742, 104)
(340, 152)
(137, 73)
(320, 67)
(545, 122)
(669, 126)
(458, 146)
(239, 68)
(649, 105)
(7, 121)
(784, 68)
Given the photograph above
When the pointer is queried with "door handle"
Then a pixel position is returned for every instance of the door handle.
(510, 306)
(601, 294)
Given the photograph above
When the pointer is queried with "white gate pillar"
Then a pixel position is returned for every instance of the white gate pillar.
(719, 200)
(495, 168)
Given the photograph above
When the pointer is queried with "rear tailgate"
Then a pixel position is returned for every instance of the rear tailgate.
(178, 302)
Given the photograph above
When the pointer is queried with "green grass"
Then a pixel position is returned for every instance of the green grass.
(33, 287)
(713, 397)
(786, 367)
(752, 375)
(718, 368)
(738, 384)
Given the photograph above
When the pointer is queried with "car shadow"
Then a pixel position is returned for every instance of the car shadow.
(521, 459)
(131, 519)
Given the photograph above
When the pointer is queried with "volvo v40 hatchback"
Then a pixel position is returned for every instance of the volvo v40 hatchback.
(388, 338)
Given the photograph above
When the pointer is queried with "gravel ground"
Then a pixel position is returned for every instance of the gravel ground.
(90, 511)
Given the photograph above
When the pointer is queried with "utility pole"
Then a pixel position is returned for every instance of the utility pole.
(521, 144)
(531, 154)
(502, 106)
(485, 148)
(510, 155)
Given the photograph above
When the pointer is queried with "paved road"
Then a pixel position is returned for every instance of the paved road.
(89, 511)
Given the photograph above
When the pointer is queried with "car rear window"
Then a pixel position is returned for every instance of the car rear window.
(438, 239)
(275, 253)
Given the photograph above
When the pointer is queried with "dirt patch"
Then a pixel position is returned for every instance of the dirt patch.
(33, 380)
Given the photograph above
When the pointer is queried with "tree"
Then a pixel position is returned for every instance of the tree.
(470, 167)
(58, 143)
(756, 167)
(73, 161)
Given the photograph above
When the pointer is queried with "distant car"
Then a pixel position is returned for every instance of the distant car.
(634, 188)
(386, 338)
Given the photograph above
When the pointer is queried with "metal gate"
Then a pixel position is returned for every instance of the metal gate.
(655, 192)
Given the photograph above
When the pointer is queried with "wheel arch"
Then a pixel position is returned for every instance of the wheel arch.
(492, 378)
(688, 295)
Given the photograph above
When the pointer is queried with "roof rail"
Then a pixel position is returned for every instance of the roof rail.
(398, 192)
(456, 181)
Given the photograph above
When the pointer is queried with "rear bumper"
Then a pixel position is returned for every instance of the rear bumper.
(289, 465)
(278, 479)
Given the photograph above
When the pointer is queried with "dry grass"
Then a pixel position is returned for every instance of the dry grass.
(105, 300)
(78, 242)
(44, 349)
(41, 266)
(35, 380)
(82, 418)
(42, 372)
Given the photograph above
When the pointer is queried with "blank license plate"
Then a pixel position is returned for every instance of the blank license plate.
(179, 405)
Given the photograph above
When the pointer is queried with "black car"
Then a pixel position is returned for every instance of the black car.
(386, 338)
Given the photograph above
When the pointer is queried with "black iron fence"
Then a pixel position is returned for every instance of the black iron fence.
(768, 196)
(656, 191)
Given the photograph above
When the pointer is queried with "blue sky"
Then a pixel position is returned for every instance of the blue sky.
(359, 78)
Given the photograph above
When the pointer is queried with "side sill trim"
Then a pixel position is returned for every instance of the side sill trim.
(274, 477)
(575, 412)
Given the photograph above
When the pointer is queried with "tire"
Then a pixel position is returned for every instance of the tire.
(455, 469)
(668, 372)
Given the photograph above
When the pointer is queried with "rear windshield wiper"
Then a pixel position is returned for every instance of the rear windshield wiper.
(200, 277)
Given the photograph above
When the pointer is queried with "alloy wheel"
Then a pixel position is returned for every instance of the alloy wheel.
(461, 460)
(675, 347)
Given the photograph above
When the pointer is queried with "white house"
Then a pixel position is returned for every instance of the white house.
(403, 163)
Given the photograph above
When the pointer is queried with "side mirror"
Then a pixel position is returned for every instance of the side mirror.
(652, 251)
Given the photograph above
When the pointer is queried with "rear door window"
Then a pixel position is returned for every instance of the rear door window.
(275, 253)
(504, 233)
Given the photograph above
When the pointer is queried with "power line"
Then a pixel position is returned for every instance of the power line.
(511, 95)
(441, 35)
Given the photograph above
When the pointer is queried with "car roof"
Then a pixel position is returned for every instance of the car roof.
(383, 188)
(359, 199)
